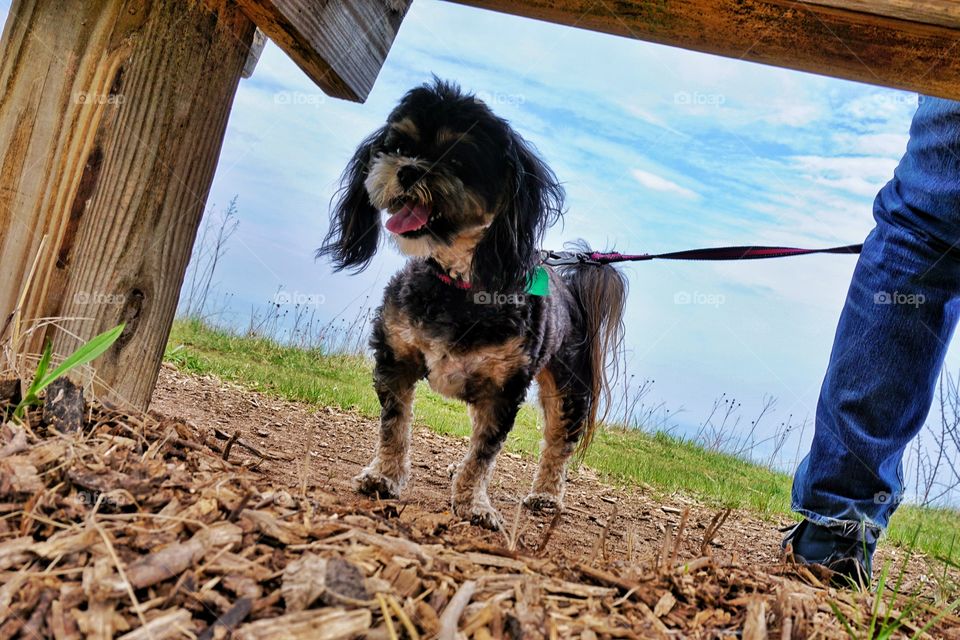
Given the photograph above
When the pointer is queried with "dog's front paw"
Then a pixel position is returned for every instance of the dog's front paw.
(373, 483)
(539, 502)
(479, 514)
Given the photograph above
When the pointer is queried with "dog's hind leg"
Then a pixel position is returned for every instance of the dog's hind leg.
(565, 402)
(493, 416)
(394, 381)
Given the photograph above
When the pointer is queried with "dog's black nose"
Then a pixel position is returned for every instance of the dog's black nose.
(408, 176)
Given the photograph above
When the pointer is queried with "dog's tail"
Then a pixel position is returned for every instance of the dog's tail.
(600, 292)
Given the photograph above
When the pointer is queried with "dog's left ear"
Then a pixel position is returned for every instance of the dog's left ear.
(509, 251)
(354, 230)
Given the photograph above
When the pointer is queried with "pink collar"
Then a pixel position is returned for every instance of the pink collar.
(458, 283)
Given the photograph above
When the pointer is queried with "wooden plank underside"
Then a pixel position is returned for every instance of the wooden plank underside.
(845, 40)
(945, 13)
(340, 44)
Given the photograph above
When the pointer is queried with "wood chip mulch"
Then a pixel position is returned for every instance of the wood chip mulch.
(137, 527)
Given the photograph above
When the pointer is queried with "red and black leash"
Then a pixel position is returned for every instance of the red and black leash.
(566, 258)
(562, 258)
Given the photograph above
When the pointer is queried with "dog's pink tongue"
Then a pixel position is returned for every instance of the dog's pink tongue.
(409, 218)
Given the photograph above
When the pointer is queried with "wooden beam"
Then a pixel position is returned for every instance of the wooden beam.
(253, 56)
(340, 44)
(904, 44)
(112, 114)
(945, 13)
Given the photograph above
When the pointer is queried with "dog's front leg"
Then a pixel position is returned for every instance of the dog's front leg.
(394, 380)
(492, 419)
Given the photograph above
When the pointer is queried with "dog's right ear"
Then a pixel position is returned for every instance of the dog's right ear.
(354, 230)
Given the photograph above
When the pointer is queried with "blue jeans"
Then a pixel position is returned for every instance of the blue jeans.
(897, 321)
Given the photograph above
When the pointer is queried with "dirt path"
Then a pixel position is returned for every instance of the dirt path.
(342, 443)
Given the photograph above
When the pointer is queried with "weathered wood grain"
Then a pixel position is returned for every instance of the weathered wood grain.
(942, 12)
(865, 40)
(253, 56)
(340, 44)
(46, 136)
(112, 114)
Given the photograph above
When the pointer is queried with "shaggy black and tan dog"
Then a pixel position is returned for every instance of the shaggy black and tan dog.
(468, 199)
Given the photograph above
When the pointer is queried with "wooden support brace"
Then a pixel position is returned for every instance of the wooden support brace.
(112, 115)
(340, 44)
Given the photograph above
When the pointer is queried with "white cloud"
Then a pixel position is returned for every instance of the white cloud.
(647, 116)
(867, 166)
(889, 145)
(873, 110)
(659, 183)
(859, 175)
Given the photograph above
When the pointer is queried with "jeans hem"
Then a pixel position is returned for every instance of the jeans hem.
(865, 529)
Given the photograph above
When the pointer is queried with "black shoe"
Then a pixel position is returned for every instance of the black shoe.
(848, 554)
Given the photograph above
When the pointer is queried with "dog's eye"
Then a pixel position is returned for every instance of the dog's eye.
(456, 163)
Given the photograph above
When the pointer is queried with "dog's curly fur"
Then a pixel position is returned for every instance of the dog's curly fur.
(471, 200)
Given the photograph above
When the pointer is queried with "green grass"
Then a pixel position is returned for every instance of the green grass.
(628, 457)
(889, 612)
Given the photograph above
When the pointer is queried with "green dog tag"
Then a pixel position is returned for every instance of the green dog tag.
(539, 283)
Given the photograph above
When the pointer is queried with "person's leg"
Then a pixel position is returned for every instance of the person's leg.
(893, 333)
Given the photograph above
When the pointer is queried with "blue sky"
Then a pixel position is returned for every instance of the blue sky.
(660, 149)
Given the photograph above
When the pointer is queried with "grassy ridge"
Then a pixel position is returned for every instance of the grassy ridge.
(621, 455)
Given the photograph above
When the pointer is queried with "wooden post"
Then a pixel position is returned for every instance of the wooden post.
(112, 115)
